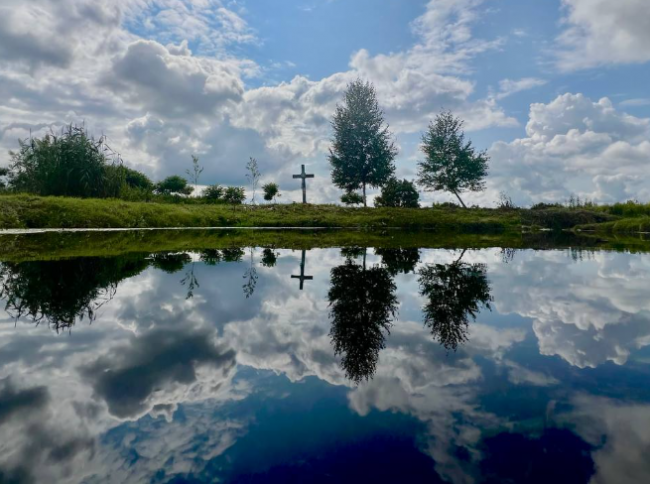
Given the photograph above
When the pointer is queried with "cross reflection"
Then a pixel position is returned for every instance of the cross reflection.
(302, 275)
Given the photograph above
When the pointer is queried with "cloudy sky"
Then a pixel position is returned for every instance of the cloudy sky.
(555, 90)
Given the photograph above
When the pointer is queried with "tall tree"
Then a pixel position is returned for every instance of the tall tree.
(451, 163)
(362, 152)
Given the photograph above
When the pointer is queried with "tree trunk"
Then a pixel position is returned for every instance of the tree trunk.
(459, 199)
(364, 196)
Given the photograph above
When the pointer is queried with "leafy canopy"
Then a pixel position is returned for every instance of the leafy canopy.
(351, 198)
(398, 193)
(451, 163)
(213, 193)
(271, 190)
(234, 196)
(174, 185)
(362, 152)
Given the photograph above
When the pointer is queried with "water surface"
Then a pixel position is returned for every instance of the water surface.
(326, 365)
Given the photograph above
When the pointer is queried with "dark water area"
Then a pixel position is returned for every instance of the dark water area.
(387, 365)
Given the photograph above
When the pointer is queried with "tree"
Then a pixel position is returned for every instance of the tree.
(174, 185)
(213, 193)
(451, 163)
(234, 196)
(4, 172)
(363, 304)
(271, 190)
(253, 176)
(398, 193)
(351, 198)
(362, 151)
(69, 164)
(195, 172)
(455, 292)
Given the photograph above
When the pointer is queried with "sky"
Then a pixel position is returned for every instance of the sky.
(556, 91)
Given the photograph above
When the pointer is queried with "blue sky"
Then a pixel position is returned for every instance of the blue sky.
(556, 91)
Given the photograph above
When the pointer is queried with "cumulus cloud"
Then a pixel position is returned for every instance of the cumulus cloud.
(600, 32)
(148, 74)
(574, 145)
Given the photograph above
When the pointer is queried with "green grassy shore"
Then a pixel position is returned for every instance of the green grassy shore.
(26, 211)
(64, 245)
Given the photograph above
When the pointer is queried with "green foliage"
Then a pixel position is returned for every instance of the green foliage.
(174, 185)
(213, 193)
(271, 190)
(455, 292)
(398, 193)
(362, 151)
(196, 170)
(351, 198)
(362, 306)
(137, 180)
(71, 164)
(451, 163)
(4, 172)
(63, 291)
(234, 196)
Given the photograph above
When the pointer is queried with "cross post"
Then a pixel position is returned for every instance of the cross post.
(304, 177)
(302, 275)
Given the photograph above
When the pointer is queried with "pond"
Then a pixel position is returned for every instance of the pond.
(337, 364)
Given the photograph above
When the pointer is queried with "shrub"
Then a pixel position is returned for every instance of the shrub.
(234, 196)
(70, 164)
(174, 185)
(271, 190)
(351, 198)
(213, 193)
(398, 193)
(505, 202)
(4, 172)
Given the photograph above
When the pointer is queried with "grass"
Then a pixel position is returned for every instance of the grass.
(26, 211)
(63, 245)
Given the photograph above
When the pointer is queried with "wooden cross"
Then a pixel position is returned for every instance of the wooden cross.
(304, 177)
(302, 275)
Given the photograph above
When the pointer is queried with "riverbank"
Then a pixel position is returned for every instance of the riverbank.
(65, 245)
(25, 212)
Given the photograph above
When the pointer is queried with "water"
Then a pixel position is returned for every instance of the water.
(379, 365)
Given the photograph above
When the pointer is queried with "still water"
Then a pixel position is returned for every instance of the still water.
(251, 365)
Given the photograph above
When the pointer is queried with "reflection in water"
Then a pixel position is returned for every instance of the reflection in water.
(289, 384)
(60, 292)
(302, 275)
(362, 306)
(250, 276)
(455, 292)
(399, 260)
(269, 258)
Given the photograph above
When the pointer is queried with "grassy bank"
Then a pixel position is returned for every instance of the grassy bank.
(63, 245)
(25, 211)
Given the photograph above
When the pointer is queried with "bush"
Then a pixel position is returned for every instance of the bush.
(271, 190)
(174, 185)
(351, 198)
(234, 196)
(4, 172)
(398, 193)
(213, 193)
(70, 164)
(505, 202)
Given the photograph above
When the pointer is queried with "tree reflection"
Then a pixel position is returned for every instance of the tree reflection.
(362, 306)
(399, 260)
(250, 277)
(455, 293)
(269, 258)
(170, 263)
(60, 292)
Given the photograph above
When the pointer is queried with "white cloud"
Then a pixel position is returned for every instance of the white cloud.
(508, 87)
(574, 145)
(601, 32)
